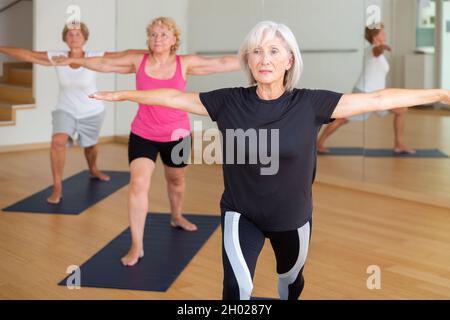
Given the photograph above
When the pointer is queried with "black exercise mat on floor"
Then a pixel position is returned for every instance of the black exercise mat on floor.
(80, 192)
(352, 151)
(167, 253)
(420, 153)
(343, 151)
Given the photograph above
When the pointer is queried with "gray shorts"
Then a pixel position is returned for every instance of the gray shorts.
(366, 116)
(85, 131)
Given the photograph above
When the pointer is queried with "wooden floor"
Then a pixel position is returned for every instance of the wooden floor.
(416, 177)
(352, 230)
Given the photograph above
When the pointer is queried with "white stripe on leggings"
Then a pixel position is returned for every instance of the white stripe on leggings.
(235, 256)
(285, 279)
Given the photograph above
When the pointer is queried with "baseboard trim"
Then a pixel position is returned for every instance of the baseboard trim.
(43, 145)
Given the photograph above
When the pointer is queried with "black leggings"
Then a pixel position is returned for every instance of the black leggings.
(242, 242)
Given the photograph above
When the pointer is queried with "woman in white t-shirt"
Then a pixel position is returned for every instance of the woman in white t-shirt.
(373, 78)
(75, 114)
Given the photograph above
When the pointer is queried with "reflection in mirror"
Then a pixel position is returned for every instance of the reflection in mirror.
(421, 171)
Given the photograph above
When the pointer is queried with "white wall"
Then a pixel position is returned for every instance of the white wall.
(34, 126)
(132, 20)
(16, 27)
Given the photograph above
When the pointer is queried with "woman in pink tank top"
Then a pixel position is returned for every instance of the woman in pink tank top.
(155, 129)
(154, 122)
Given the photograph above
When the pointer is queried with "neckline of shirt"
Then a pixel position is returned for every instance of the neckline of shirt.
(272, 101)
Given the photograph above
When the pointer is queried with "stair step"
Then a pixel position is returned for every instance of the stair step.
(16, 94)
(20, 77)
(6, 112)
(18, 65)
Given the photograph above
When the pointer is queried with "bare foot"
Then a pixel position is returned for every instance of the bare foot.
(183, 223)
(133, 256)
(100, 176)
(322, 149)
(402, 149)
(55, 197)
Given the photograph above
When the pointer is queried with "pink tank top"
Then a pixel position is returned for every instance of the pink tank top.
(158, 123)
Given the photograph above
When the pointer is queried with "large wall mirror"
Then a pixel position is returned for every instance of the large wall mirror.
(419, 34)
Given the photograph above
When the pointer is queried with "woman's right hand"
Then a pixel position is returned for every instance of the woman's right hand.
(107, 96)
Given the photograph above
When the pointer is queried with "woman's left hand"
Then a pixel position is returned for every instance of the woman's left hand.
(61, 61)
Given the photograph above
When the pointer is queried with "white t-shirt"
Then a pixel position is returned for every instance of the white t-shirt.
(75, 86)
(373, 76)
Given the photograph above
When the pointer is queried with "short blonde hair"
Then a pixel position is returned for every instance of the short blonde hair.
(267, 30)
(372, 31)
(76, 26)
(170, 24)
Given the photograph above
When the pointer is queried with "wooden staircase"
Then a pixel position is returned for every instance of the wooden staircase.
(16, 91)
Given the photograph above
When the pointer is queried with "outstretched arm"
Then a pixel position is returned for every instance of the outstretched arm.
(172, 98)
(27, 55)
(118, 62)
(387, 99)
(120, 54)
(199, 65)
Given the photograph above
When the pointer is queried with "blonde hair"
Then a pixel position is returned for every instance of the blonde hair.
(372, 31)
(170, 24)
(267, 30)
(76, 26)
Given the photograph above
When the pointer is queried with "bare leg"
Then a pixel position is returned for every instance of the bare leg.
(328, 131)
(175, 189)
(91, 157)
(141, 173)
(58, 157)
(399, 128)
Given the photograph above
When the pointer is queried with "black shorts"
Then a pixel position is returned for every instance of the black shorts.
(139, 147)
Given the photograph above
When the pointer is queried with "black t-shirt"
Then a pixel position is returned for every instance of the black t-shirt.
(282, 199)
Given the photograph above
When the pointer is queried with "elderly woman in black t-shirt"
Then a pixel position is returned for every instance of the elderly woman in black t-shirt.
(261, 201)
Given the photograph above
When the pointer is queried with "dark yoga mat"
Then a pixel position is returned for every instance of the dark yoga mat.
(342, 152)
(80, 192)
(420, 153)
(167, 253)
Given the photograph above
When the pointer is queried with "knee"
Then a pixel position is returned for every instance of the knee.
(91, 149)
(139, 185)
(58, 143)
(176, 183)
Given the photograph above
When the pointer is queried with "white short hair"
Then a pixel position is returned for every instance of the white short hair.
(267, 30)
